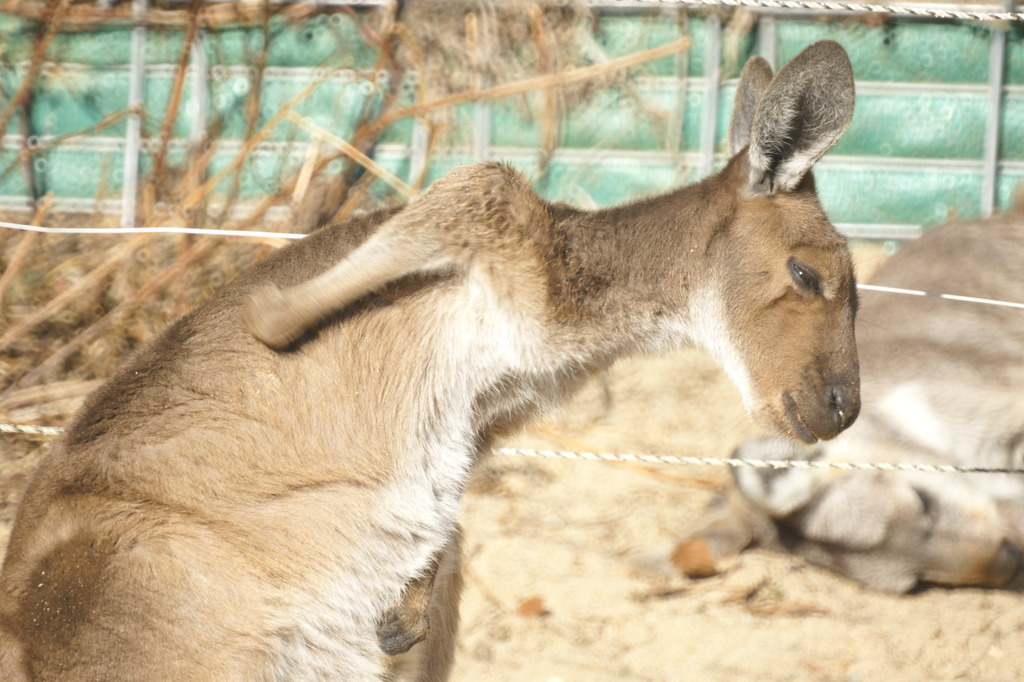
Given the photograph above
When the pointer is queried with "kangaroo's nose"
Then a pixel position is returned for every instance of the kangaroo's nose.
(844, 404)
(823, 413)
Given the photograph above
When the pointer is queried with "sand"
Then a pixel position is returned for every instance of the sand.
(554, 552)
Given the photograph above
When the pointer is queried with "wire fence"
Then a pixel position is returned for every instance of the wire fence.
(949, 11)
(633, 458)
(937, 11)
(752, 463)
(963, 12)
(256, 234)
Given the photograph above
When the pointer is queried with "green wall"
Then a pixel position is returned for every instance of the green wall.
(912, 156)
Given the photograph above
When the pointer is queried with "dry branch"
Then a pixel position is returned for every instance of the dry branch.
(87, 16)
(305, 173)
(538, 83)
(23, 246)
(99, 327)
(37, 402)
(252, 106)
(102, 124)
(351, 152)
(549, 109)
(35, 63)
(114, 259)
(173, 104)
(27, 152)
(200, 194)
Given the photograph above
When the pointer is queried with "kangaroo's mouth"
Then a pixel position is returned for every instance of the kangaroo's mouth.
(794, 424)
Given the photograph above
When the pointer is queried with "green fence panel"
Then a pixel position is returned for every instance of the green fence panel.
(917, 125)
(1011, 142)
(903, 52)
(884, 195)
(334, 41)
(72, 100)
(12, 178)
(1014, 74)
(617, 36)
(914, 153)
(609, 181)
(334, 103)
(79, 173)
(1009, 186)
(620, 118)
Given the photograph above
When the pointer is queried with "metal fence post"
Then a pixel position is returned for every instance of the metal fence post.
(767, 43)
(996, 64)
(712, 78)
(133, 135)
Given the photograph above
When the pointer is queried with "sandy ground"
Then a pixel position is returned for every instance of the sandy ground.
(553, 589)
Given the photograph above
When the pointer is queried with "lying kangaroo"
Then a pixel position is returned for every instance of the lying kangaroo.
(943, 383)
(226, 508)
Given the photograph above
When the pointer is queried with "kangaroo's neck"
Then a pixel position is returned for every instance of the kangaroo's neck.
(625, 267)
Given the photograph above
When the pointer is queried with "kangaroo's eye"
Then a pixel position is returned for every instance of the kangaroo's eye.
(805, 277)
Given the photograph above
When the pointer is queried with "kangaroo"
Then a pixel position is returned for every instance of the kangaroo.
(265, 488)
(942, 383)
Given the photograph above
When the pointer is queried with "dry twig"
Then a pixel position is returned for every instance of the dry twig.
(538, 83)
(115, 257)
(171, 112)
(98, 328)
(23, 246)
(35, 63)
(200, 194)
(354, 154)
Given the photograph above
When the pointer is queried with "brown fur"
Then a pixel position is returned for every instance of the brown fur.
(239, 507)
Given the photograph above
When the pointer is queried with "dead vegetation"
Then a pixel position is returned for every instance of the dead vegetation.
(72, 306)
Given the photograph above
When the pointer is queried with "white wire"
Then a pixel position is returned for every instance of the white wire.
(753, 463)
(153, 230)
(288, 235)
(932, 11)
(29, 429)
(951, 297)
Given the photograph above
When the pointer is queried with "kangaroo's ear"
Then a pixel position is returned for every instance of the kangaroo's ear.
(754, 80)
(802, 114)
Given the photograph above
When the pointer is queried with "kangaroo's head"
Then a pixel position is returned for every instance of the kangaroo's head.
(781, 277)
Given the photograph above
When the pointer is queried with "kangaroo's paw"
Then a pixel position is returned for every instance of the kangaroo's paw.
(400, 629)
